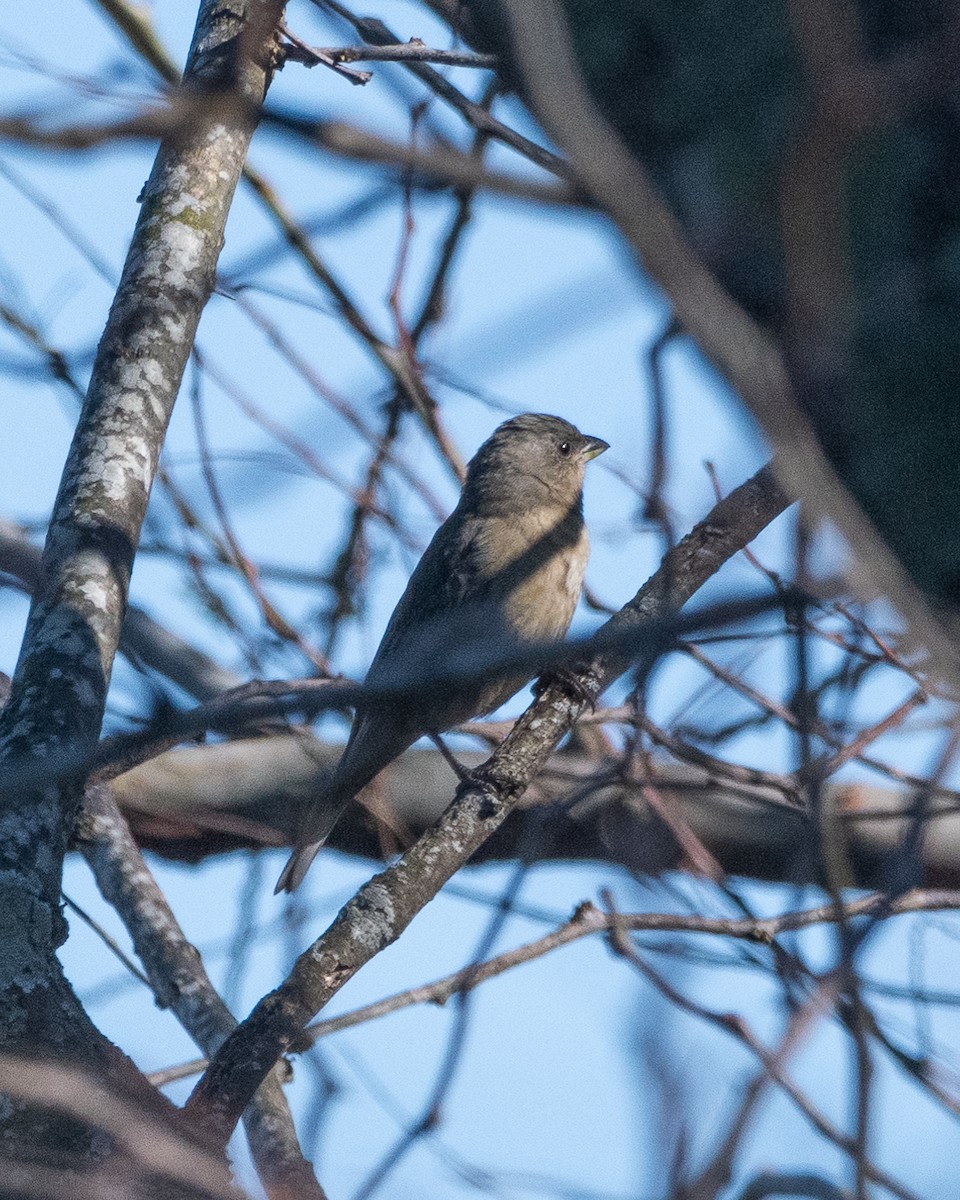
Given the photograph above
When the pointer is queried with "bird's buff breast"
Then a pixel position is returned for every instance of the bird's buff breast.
(533, 600)
(541, 606)
(541, 586)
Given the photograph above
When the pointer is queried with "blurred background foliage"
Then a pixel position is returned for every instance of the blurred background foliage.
(810, 150)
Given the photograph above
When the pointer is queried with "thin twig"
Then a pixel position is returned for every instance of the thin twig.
(586, 921)
(412, 51)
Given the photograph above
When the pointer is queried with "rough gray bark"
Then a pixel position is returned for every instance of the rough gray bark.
(58, 692)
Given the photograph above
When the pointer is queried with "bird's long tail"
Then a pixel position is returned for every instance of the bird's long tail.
(299, 861)
(375, 740)
(297, 866)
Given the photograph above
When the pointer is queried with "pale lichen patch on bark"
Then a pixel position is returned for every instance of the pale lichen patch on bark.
(182, 203)
(96, 592)
(374, 917)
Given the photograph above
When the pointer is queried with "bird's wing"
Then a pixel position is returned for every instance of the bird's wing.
(449, 572)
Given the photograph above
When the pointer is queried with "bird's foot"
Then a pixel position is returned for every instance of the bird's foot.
(461, 772)
(484, 775)
(484, 778)
(569, 680)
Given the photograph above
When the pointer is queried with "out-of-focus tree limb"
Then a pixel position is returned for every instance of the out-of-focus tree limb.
(746, 355)
(438, 164)
(154, 1153)
(192, 803)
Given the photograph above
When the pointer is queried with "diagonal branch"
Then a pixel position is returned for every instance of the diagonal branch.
(59, 689)
(60, 685)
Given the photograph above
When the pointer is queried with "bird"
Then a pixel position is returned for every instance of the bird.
(505, 570)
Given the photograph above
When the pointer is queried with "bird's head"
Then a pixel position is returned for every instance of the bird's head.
(533, 459)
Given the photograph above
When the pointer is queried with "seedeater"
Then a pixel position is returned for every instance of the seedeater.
(505, 569)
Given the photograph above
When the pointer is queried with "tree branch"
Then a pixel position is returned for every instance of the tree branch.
(59, 688)
(180, 982)
(588, 920)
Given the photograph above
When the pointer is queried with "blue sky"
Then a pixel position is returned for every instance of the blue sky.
(547, 312)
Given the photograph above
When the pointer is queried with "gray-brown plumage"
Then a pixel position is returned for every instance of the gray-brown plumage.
(505, 568)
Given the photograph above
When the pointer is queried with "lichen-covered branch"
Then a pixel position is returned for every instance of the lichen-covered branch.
(180, 982)
(60, 684)
(59, 688)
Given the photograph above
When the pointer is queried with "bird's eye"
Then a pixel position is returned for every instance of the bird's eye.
(565, 448)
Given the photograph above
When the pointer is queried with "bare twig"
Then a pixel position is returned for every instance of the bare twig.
(376, 32)
(412, 51)
(589, 920)
(311, 55)
(773, 1062)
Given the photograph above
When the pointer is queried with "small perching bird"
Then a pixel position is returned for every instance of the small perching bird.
(504, 570)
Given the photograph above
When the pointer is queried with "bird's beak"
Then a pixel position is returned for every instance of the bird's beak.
(593, 446)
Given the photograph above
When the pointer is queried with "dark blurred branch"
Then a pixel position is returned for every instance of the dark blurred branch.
(436, 163)
(181, 112)
(846, 99)
(617, 645)
(744, 353)
(132, 21)
(194, 803)
(153, 1152)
